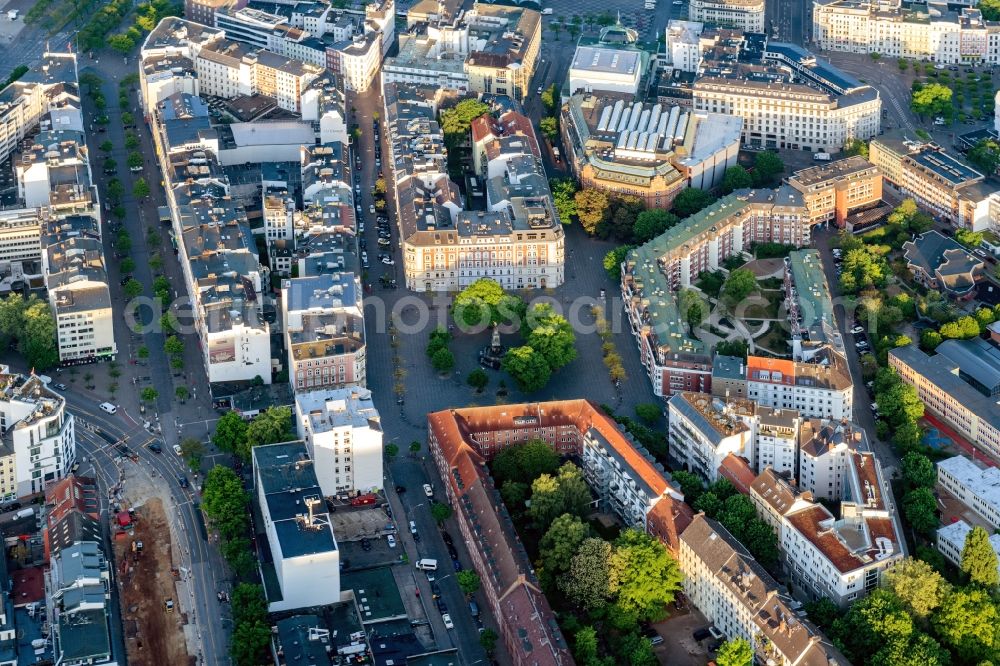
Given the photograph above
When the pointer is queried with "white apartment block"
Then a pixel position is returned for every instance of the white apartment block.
(20, 235)
(683, 39)
(77, 282)
(298, 527)
(946, 395)
(820, 389)
(323, 320)
(37, 430)
(279, 216)
(806, 105)
(41, 89)
(704, 430)
(951, 541)
(975, 487)
(825, 451)
(839, 559)
(776, 439)
(935, 33)
(343, 433)
(737, 595)
(747, 15)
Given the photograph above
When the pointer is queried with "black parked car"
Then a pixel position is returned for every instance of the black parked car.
(400, 489)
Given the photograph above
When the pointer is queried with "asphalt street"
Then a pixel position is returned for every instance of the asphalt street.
(788, 20)
(202, 568)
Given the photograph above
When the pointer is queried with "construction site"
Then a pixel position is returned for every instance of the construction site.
(147, 577)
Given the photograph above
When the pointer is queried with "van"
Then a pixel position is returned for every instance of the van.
(108, 407)
(427, 565)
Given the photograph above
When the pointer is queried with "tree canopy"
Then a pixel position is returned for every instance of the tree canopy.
(564, 198)
(740, 284)
(691, 200)
(736, 178)
(230, 433)
(985, 156)
(862, 269)
(643, 575)
(551, 336)
(979, 560)
(592, 209)
(524, 463)
(931, 99)
(735, 652)
(651, 223)
(528, 368)
(225, 501)
(767, 166)
(919, 587)
(269, 427)
(484, 302)
(558, 545)
(564, 493)
(588, 583)
(457, 120)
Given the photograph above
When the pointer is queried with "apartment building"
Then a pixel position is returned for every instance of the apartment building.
(974, 486)
(835, 190)
(736, 594)
(343, 434)
(942, 264)
(52, 84)
(840, 559)
(747, 15)
(946, 35)
(323, 321)
(824, 452)
(947, 188)
(54, 172)
(76, 278)
(704, 430)
(203, 11)
(490, 49)
(78, 604)
(624, 477)
(703, 241)
(939, 384)
(517, 241)
(20, 237)
(306, 558)
(951, 540)
(649, 151)
(799, 102)
(37, 431)
(683, 44)
(821, 388)
(809, 306)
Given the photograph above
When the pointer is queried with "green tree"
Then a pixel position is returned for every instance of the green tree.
(440, 512)
(529, 369)
(173, 345)
(182, 393)
(979, 560)
(551, 336)
(930, 339)
(485, 302)
(127, 265)
(860, 146)
(558, 545)
(564, 198)
(468, 582)
(524, 463)
(106, 146)
(239, 554)
(863, 269)
(822, 612)
(230, 433)
(455, 124)
(735, 652)
(588, 583)
(636, 649)
(968, 622)
(550, 98)
(931, 99)
(969, 238)
(552, 496)
(225, 502)
(649, 412)
(690, 201)
(990, 9)
(690, 484)
(391, 451)
(110, 164)
(985, 156)
(478, 379)
(963, 328)
(740, 284)
(115, 190)
(710, 503)
(38, 340)
(613, 262)
(271, 426)
(643, 575)
(249, 642)
(192, 450)
(920, 509)
(767, 166)
(488, 641)
(592, 208)
(247, 601)
(131, 140)
(870, 623)
(920, 589)
(736, 178)
(149, 394)
(121, 43)
(585, 645)
(651, 223)
(443, 360)
(140, 189)
(142, 352)
(134, 160)
(918, 471)
(550, 127)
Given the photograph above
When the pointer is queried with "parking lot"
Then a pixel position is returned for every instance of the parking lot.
(679, 648)
(358, 524)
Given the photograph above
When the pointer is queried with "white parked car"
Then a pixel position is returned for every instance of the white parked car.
(428, 490)
(177, 449)
(391, 540)
(448, 624)
(413, 527)
(857, 329)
